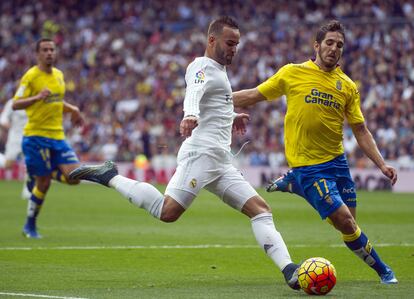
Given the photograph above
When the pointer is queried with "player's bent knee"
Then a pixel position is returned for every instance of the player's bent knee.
(349, 225)
(255, 206)
(346, 225)
(169, 217)
(171, 210)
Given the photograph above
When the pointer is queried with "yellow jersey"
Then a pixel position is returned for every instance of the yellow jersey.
(45, 117)
(317, 104)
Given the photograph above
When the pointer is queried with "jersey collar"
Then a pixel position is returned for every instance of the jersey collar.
(215, 63)
(311, 64)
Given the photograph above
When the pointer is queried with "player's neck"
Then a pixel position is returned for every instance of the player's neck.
(45, 68)
(210, 55)
(321, 66)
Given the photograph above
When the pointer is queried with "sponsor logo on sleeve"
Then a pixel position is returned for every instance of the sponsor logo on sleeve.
(200, 77)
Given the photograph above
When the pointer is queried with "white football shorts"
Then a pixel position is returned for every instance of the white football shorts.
(212, 170)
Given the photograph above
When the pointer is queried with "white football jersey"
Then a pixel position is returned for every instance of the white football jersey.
(209, 97)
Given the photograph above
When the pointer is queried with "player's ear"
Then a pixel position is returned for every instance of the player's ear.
(316, 46)
(211, 39)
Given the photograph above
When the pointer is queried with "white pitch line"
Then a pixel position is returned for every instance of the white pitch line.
(37, 295)
(202, 246)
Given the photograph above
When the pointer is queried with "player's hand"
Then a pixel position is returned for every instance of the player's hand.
(187, 125)
(240, 123)
(76, 117)
(43, 94)
(390, 173)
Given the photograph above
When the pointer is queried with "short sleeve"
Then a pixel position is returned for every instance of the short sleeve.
(353, 111)
(23, 91)
(275, 86)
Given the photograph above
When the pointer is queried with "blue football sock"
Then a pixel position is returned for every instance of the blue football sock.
(361, 246)
(58, 176)
(35, 203)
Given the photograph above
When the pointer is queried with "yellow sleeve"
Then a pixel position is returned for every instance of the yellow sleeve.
(24, 90)
(275, 86)
(353, 108)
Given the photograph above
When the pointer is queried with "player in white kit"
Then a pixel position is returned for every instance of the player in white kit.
(204, 159)
(13, 122)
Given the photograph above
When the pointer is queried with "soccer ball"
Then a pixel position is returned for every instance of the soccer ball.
(317, 276)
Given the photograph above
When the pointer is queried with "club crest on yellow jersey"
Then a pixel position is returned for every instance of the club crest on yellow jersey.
(339, 84)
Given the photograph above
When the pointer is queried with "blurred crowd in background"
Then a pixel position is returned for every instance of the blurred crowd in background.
(124, 64)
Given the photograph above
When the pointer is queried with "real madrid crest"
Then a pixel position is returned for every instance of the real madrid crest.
(193, 183)
(339, 84)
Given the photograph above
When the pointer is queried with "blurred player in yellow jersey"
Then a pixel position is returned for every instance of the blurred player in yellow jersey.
(319, 98)
(47, 154)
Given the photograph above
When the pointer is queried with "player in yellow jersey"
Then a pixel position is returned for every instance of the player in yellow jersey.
(319, 98)
(47, 154)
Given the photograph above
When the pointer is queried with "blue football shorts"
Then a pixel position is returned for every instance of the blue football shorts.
(327, 186)
(43, 155)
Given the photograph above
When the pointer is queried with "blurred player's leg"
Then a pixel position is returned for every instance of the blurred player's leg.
(34, 206)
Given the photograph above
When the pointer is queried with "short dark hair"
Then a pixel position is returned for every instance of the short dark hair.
(331, 26)
(216, 26)
(43, 39)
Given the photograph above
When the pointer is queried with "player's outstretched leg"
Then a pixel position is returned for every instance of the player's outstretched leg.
(285, 183)
(358, 242)
(101, 174)
(140, 194)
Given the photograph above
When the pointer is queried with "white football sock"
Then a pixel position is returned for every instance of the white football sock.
(141, 194)
(270, 239)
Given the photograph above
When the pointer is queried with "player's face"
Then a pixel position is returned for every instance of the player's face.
(226, 45)
(46, 54)
(329, 51)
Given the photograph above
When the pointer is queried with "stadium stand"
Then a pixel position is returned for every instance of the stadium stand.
(124, 63)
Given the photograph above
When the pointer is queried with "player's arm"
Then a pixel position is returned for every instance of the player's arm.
(271, 89)
(191, 110)
(23, 103)
(196, 78)
(247, 97)
(76, 117)
(368, 145)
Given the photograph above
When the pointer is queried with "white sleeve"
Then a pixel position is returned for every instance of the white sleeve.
(196, 84)
(5, 116)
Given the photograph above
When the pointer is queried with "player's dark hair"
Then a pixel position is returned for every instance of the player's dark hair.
(216, 26)
(331, 26)
(43, 39)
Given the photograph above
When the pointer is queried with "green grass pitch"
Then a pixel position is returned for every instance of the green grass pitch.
(97, 245)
